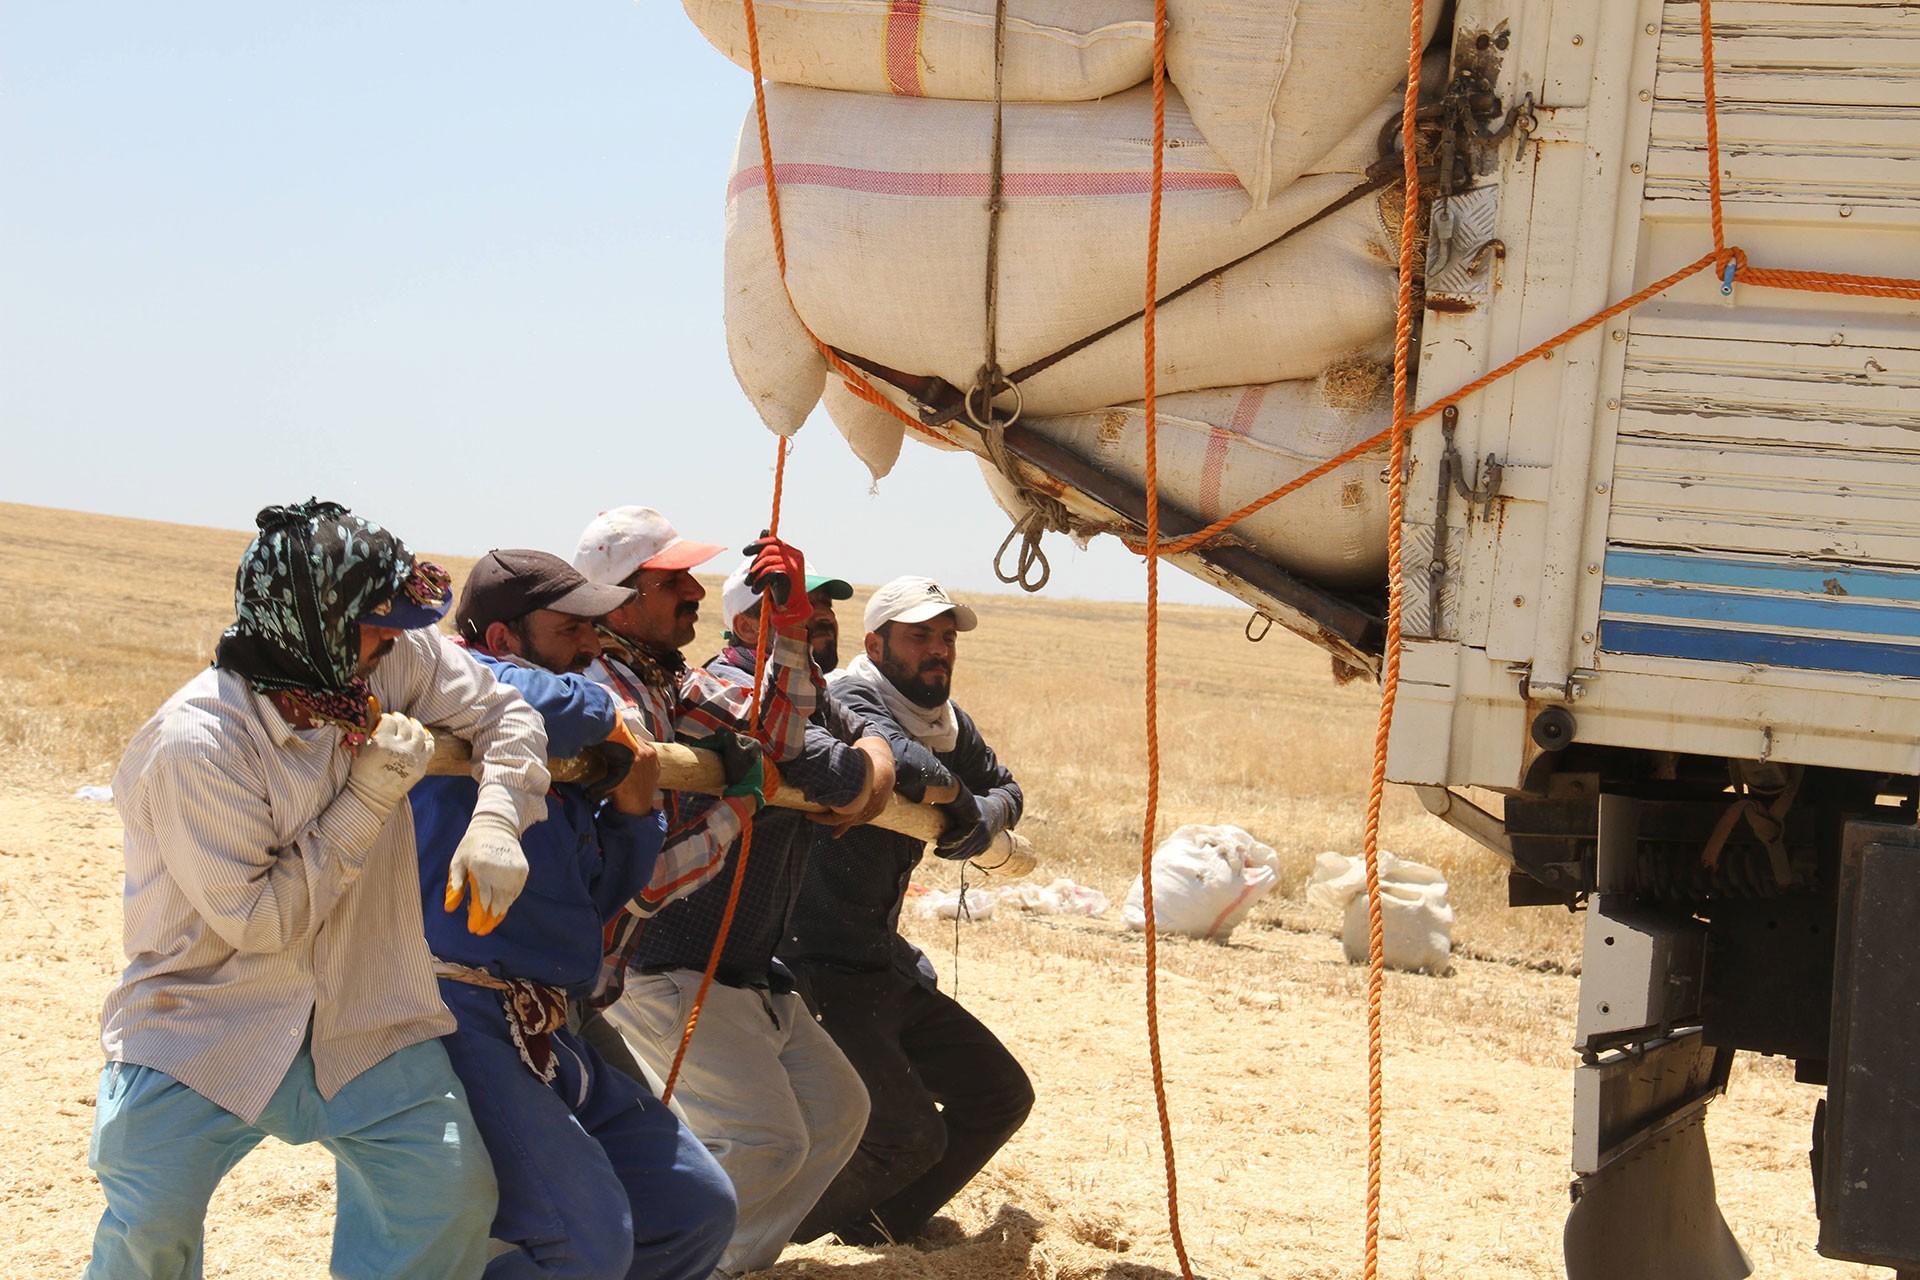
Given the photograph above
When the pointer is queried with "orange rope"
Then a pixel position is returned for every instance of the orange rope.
(1715, 216)
(746, 827)
(1149, 319)
(1390, 677)
(762, 642)
(1193, 540)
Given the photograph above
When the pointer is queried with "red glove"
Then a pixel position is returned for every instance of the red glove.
(779, 574)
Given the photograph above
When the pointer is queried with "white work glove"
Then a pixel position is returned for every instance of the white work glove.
(1017, 862)
(390, 762)
(489, 861)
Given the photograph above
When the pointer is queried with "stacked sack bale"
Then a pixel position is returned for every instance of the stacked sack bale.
(881, 115)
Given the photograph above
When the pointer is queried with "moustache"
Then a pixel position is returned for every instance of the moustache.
(686, 611)
(936, 664)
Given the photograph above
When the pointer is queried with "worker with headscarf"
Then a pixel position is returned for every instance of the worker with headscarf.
(278, 981)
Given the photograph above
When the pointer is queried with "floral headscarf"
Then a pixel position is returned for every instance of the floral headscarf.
(307, 578)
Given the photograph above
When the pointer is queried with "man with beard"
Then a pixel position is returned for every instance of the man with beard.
(761, 1083)
(945, 1094)
(277, 981)
(598, 1179)
(668, 700)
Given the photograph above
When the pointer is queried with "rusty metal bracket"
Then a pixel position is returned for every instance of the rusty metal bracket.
(1451, 479)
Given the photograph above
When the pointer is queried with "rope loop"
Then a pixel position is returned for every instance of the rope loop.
(1031, 571)
(1044, 514)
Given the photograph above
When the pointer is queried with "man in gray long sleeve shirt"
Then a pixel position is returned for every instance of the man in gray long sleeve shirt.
(278, 981)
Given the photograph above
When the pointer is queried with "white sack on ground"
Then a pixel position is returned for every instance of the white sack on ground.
(969, 905)
(1205, 881)
(1220, 449)
(1416, 920)
(883, 206)
(1273, 85)
(940, 48)
(1061, 898)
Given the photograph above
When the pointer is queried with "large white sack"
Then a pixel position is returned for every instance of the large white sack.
(940, 48)
(1314, 299)
(883, 207)
(1220, 449)
(1416, 920)
(1416, 927)
(1273, 85)
(1205, 881)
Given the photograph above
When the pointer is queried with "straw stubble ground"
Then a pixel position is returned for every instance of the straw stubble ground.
(1264, 1037)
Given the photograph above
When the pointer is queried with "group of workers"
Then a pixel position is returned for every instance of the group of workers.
(471, 987)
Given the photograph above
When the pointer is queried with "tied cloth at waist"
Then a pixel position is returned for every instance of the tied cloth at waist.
(534, 1012)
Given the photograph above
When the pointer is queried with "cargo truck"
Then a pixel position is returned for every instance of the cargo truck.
(1661, 642)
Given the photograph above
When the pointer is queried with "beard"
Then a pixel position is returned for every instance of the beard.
(826, 649)
(372, 660)
(925, 686)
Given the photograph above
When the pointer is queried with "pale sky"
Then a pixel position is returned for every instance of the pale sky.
(457, 265)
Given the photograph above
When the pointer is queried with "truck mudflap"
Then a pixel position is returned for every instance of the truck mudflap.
(1650, 1212)
(1868, 1166)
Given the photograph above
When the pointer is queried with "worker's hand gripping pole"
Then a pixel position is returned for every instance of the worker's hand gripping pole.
(684, 769)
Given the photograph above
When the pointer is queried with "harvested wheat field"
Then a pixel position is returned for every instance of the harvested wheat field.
(1264, 1038)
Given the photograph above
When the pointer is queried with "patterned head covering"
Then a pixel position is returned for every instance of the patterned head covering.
(308, 578)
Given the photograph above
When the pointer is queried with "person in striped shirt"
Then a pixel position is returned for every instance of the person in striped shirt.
(278, 980)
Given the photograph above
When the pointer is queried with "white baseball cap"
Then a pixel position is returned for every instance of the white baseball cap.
(736, 597)
(912, 599)
(618, 543)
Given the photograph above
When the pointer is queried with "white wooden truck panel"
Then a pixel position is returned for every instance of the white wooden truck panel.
(1723, 553)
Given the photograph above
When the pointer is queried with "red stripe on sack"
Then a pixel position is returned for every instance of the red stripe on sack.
(1228, 910)
(903, 49)
(1220, 439)
(973, 186)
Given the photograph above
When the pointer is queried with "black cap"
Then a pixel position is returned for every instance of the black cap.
(506, 585)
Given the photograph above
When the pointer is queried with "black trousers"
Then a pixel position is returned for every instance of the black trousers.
(946, 1095)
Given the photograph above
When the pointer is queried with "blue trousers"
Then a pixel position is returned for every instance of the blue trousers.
(598, 1179)
(415, 1185)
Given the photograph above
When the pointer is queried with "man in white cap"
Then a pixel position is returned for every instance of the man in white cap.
(668, 700)
(945, 1094)
(763, 1086)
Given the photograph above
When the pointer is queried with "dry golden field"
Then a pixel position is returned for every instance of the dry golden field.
(1264, 1037)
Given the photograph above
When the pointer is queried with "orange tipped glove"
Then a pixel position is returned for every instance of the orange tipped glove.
(490, 863)
(779, 574)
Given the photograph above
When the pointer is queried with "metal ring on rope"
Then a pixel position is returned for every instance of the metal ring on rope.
(983, 388)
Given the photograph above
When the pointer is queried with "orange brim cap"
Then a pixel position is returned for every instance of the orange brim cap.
(682, 554)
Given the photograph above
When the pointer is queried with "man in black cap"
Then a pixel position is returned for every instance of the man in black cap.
(278, 981)
(597, 1177)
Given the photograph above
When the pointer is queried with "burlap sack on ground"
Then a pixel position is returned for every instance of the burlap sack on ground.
(944, 49)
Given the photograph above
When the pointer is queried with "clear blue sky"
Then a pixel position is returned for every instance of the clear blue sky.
(455, 264)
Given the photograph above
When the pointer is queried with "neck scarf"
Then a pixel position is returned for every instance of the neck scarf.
(657, 668)
(936, 728)
(308, 576)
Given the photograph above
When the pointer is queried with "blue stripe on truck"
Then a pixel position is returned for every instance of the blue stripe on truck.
(1797, 577)
(1801, 612)
(1711, 644)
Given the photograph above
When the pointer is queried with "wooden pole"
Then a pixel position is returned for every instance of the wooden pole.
(684, 769)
